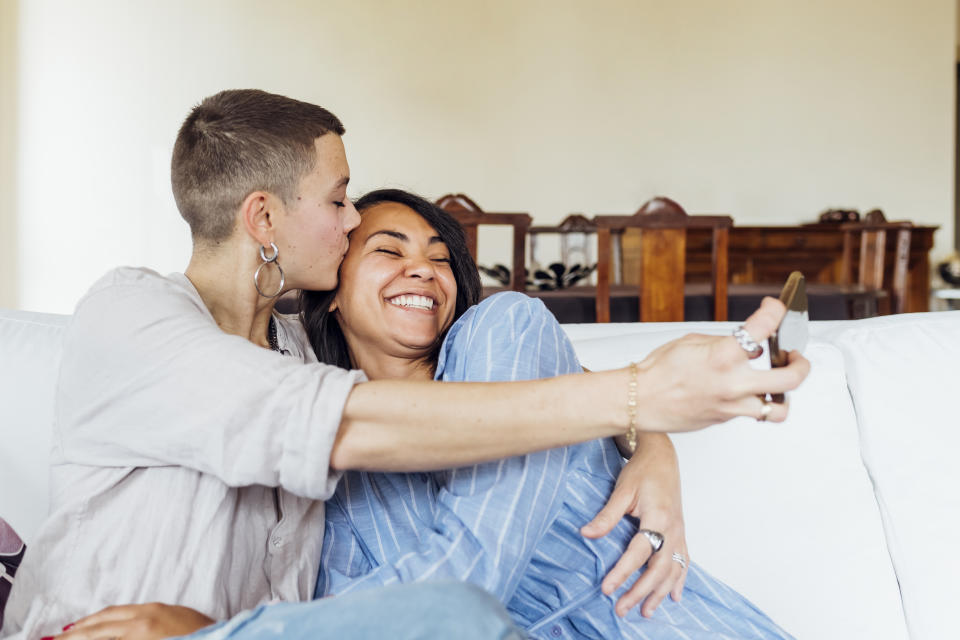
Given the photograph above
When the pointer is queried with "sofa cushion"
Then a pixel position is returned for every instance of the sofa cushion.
(30, 346)
(818, 540)
(904, 374)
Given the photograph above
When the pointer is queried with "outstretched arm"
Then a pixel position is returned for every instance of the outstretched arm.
(687, 384)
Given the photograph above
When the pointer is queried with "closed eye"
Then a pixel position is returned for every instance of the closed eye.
(388, 251)
(339, 203)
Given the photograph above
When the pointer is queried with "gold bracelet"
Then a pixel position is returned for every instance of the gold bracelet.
(632, 408)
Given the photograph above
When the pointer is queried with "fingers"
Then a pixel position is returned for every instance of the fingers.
(780, 379)
(110, 614)
(651, 587)
(636, 554)
(112, 622)
(99, 631)
(677, 592)
(765, 320)
(753, 407)
(660, 591)
(620, 503)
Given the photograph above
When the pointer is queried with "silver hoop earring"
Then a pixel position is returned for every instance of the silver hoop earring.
(266, 261)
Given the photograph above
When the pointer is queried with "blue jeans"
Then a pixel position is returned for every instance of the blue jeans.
(400, 612)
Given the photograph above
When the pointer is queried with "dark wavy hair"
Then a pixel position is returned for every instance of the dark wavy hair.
(322, 326)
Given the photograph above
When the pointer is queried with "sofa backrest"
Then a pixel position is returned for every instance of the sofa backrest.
(30, 345)
(904, 376)
(785, 513)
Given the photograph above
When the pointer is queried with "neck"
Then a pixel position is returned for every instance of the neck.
(224, 281)
(389, 367)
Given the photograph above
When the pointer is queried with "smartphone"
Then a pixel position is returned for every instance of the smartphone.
(794, 330)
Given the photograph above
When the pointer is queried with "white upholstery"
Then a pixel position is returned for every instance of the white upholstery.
(786, 513)
(904, 375)
(29, 359)
(816, 520)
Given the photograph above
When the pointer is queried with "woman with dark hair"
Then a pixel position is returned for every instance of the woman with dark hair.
(324, 330)
(404, 309)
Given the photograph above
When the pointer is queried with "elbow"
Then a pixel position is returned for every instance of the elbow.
(353, 449)
(343, 457)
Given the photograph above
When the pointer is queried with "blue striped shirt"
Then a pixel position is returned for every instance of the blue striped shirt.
(512, 526)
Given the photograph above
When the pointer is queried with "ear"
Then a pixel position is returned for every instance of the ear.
(255, 216)
(333, 305)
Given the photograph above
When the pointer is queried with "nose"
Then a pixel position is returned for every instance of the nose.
(351, 217)
(419, 266)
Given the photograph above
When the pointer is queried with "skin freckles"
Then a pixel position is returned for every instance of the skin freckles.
(314, 239)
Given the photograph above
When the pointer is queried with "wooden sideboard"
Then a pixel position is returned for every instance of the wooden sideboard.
(767, 255)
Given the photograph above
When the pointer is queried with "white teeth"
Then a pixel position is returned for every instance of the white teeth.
(414, 301)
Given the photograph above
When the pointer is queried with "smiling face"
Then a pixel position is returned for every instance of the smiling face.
(397, 292)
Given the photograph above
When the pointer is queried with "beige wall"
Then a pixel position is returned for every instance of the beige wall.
(768, 110)
(8, 113)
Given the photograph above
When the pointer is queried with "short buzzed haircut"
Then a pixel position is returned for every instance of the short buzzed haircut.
(237, 142)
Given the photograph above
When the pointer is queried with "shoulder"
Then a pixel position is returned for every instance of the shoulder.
(129, 306)
(502, 319)
(509, 307)
(138, 286)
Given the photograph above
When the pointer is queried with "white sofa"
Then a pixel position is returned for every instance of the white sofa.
(842, 522)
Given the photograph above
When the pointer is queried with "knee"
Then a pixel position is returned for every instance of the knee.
(469, 613)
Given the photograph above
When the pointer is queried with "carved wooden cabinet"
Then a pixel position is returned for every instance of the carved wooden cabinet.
(767, 255)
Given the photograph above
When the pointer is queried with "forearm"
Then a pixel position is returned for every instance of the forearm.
(684, 385)
(395, 425)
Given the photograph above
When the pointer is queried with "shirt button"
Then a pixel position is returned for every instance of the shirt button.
(277, 541)
(556, 632)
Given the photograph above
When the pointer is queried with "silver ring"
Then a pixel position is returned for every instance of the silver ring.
(655, 538)
(747, 343)
(765, 410)
(676, 557)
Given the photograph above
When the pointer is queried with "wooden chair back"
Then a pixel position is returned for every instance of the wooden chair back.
(469, 214)
(663, 224)
(872, 265)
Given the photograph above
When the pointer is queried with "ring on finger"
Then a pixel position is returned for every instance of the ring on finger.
(678, 558)
(765, 410)
(655, 538)
(747, 343)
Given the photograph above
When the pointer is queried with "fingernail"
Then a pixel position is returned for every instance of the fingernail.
(47, 638)
(68, 627)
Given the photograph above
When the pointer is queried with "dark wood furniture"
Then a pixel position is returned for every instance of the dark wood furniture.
(767, 255)
(827, 301)
(661, 272)
(871, 270)
(470, 216)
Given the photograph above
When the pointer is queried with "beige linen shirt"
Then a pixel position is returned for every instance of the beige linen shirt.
(188, 465)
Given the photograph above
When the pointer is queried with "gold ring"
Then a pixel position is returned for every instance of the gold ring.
(765, 410)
